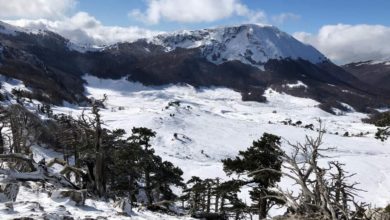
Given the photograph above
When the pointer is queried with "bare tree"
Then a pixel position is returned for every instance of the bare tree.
(322, 191)
(25, 127)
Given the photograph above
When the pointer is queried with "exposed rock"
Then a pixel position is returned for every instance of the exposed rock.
(123, 207)
(8, 192)
(77, 196)
(300, 217)
(377, 214)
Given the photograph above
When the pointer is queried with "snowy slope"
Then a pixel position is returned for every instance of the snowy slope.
(9, 29)
(374, 62)
(214, 123)
(251, 44)
(211, 124)
(14, 30)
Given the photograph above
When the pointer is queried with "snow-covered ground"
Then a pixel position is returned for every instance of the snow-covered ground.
(213, 123)
(38, 205)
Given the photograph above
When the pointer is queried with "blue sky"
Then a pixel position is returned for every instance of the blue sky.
(312, 13)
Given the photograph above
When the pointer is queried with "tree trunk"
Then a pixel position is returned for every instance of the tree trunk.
(1, 143)
(195, 201)
(98, 173)
(237, 217)
(99, 163)
(222, 203)
(148, 188)
(262, 208)
(216, 198)
(208, 198)
(15, 138)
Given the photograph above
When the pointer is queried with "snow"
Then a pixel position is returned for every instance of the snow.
(217, 124)
(14, 30)
(9, 84)
(83, 48)
(251, 44)
(299, 84)
(8, 29)
(385, 62)
(35, 203)
(213, 124)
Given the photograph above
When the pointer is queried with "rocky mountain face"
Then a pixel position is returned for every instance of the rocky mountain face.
(247, 58)
(376, 73)
(250, 44)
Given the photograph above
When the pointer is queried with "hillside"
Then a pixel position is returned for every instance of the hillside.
(268, 58)
(231, 125)
(376, 73)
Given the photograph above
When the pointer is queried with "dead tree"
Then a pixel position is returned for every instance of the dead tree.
(4, 123)
(23, 168)
(95, 158)
(323, 191)
(25, 127)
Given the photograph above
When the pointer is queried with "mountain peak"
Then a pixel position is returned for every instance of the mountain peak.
(252, 44)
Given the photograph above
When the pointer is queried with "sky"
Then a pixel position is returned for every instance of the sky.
(344, 30)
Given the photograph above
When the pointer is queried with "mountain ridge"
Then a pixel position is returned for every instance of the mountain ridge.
(46, 62)
(374, 72)
(249, 43)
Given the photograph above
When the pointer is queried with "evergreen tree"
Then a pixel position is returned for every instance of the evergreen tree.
(263, 154)
(194, 194)
(158, 175)
(167, 175)
(383, 133)
(227, 192)
(125, 170)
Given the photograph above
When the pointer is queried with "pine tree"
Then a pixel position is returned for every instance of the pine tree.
(125, 167)
(193, 193)
(142, 137)
(264, 153)
(158, 175)
(167, 175)
(227, 192)
(383, 133)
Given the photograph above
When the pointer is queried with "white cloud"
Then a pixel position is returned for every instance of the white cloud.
(33, 9)
(255, 17)
(83, 28)
(189, 11)
(350, 43)
(284, 17)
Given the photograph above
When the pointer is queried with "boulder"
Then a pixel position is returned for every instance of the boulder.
(77, 196)
(8, 192)
(123, 206)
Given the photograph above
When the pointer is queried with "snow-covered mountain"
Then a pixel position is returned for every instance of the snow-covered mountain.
(251, 44)
(247, 58)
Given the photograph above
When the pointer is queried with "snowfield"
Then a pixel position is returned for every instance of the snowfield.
(212, 124)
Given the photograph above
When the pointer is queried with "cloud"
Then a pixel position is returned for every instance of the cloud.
(83, 28)
(32, 9)
(255, 17)
(284, 17)
(189, 11)
(350, 43)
